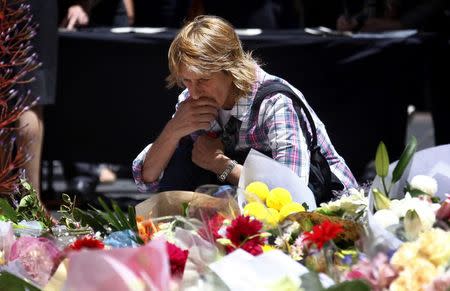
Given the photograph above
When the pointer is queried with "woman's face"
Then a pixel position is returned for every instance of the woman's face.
(217, 86)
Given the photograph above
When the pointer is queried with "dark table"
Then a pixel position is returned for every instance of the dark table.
(112, 99)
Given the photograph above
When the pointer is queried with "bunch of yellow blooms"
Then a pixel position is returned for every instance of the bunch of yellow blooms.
(269, 206)
(420, 261)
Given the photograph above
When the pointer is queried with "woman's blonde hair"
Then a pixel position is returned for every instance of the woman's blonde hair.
(209, 44)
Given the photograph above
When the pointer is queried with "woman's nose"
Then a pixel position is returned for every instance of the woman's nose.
(195, 91)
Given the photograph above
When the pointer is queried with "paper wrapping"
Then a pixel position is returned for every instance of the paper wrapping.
(170, 203)
(258, 167)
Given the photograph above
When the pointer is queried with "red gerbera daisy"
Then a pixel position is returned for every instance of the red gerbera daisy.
(87, 242)
(244, 233)
(322, 233)
(177, 259)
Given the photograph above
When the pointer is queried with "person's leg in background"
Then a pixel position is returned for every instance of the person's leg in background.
(32, 135)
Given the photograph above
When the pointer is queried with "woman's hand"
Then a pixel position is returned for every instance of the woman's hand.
(208, 153)
(193, 115)
(76, 16)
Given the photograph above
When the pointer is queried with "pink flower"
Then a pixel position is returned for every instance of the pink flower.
(38, 256)
(378, 273)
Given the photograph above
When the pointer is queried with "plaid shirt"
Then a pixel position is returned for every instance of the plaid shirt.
(276, 129)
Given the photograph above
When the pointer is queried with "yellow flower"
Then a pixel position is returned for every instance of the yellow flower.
(418, 273)
(278, 197)
(292, 207)
(255, 209)
(405, 254)
(268, 248)
(434, 245)
(269, 216)
(272, 218)
(260, 189)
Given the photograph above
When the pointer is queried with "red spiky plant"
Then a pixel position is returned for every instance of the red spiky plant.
(16, 62)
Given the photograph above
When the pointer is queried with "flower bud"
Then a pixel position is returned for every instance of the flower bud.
(413, 225)
(380, 200)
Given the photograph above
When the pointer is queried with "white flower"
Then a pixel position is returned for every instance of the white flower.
(425, 184)
(351, 204)
(386, 217)
(425, 209)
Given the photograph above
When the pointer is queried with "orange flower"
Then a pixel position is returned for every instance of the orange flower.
(146, 228)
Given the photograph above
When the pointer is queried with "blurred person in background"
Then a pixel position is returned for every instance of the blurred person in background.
(377, 16)
(44, 85)
(95, 13)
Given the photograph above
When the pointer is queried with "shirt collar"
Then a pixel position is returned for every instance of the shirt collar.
(243, 105)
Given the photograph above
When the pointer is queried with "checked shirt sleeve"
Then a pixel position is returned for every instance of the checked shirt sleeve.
(285, 135)
(137, 166)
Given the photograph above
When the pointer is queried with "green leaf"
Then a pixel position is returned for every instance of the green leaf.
(11, 282)
(404, 160)
(311, 282)
(7, 210)
(132, 218)
(354, 285)
(109, 215)
(120, 216)
(86, 219)
(185, 206)
(382, 160)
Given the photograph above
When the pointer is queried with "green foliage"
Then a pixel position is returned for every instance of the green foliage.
(354, 285)
(68, 218)
(382, 163)
(10, 282)
(29, 208)
(185, 207)
(108, 220)
(7, 210)
(311, 282)
(404, 160)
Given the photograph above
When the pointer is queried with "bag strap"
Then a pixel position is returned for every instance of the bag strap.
(277, 87)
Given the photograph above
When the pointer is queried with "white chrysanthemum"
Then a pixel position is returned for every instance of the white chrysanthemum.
(351, 204)
(425, 184)
(386, 217)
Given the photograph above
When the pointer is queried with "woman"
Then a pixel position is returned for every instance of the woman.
(221, 81)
